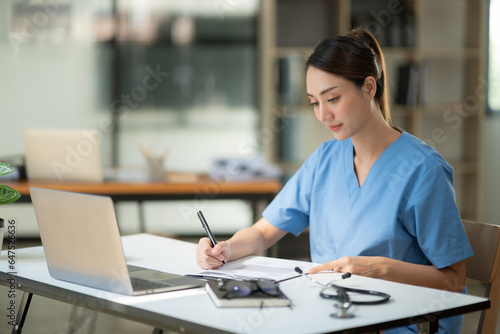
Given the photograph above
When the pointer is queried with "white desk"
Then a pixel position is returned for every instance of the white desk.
(193, 311)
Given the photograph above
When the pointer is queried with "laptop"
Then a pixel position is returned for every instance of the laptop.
(82, 245)
(63, 155)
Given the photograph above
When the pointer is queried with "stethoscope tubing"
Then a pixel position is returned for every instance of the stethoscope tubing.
(383, 297)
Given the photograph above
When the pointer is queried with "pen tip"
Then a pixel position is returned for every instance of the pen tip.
(297, 269)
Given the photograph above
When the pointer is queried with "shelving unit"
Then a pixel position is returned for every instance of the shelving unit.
(443, 37)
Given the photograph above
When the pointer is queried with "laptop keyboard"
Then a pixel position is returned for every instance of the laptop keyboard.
(143, 284)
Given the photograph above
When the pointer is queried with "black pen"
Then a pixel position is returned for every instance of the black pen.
(207, 229)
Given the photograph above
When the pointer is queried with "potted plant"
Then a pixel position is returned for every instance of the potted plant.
(7, 194)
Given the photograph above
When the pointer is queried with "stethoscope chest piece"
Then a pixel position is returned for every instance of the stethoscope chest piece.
(342, 311)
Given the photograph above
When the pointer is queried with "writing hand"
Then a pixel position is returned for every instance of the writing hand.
(211, 258)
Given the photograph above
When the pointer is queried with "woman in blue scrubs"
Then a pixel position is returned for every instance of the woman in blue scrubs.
(378, 202)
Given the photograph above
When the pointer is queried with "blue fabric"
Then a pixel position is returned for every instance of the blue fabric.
(405, 209)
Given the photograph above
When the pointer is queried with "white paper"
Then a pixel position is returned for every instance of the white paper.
(258, 267)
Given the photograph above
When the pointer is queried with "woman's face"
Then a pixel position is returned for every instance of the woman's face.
(338, 103)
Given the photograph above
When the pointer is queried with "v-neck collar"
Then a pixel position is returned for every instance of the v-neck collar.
(375, 170)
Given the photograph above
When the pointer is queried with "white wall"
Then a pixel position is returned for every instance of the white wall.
(56, 85)
(42, 87)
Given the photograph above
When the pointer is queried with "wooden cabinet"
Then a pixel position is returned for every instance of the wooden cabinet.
(435, 52)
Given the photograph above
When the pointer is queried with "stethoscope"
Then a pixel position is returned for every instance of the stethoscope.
(342, 296)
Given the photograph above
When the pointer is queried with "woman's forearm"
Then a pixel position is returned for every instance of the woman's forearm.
(254, 239)
(451, 278)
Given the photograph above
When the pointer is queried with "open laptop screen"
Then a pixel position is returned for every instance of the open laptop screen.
(63, 155)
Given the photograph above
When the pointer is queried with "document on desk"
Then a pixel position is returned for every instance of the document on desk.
(257, 267)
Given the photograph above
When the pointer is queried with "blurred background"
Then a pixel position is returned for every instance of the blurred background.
(224, 79)
(210, 79)
(159, 74)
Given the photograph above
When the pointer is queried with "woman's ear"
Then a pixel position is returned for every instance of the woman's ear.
(370, 86)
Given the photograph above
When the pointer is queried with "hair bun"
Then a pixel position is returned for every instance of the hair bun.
(365, 36)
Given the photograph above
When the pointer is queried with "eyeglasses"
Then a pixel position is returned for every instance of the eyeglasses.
(243, 288)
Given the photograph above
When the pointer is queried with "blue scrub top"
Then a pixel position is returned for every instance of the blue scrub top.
(405, 209)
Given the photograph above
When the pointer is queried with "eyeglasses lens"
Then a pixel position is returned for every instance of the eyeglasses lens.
(268, 287)
(246, 288)
(238, 288)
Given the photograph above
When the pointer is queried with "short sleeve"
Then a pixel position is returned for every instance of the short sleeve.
(431, 215)
(290, 209)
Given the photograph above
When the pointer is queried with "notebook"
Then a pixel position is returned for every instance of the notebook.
(82, 245)
(221, 298)
(63, 155)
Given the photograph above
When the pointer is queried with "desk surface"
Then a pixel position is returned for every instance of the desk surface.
(201, 185)
(179, 187)
(193, 311)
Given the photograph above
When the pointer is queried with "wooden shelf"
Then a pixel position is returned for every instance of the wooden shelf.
(465, 167)
(401, 110)
(446, 37)
(436, 52)
(281, 52)
(438, 109)
(289, 167)
(398, 51)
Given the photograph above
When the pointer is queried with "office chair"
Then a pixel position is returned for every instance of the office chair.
(484, 266)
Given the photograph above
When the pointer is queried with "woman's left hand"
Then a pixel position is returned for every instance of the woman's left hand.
(369, 266)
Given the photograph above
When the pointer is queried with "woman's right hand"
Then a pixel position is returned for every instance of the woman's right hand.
(211, 258)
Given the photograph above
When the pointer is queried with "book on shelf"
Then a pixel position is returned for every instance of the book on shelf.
(412, 84)
(407, 86)
(424, 83)
(290, 78)
(257, 298)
